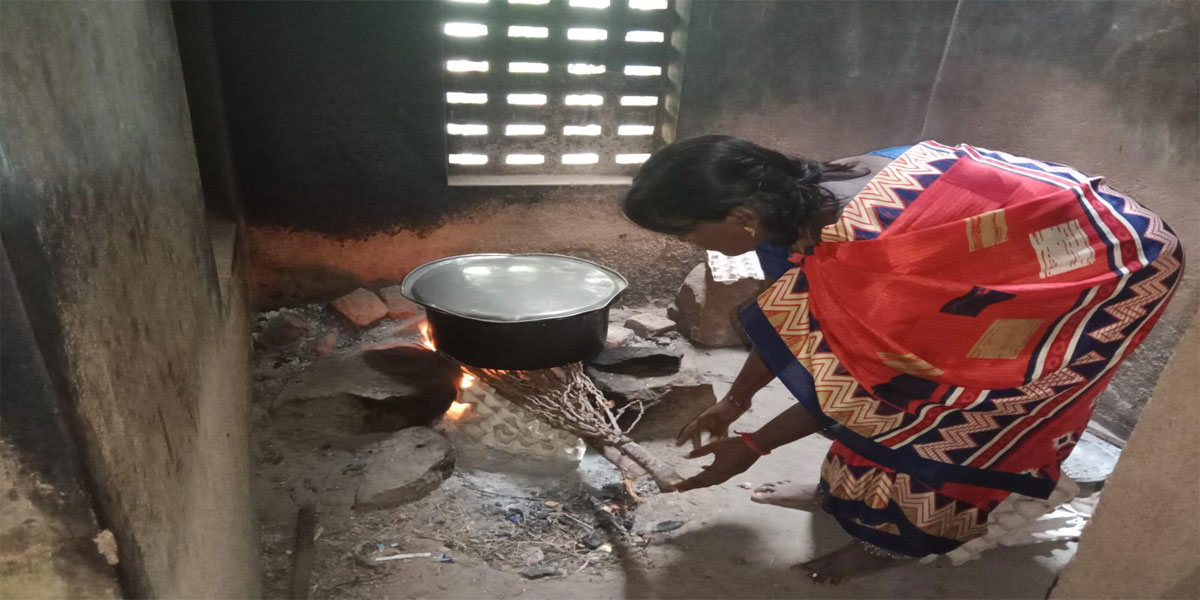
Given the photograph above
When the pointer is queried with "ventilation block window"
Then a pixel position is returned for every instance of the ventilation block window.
(559, 91)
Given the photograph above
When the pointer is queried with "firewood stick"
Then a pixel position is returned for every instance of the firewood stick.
(302, 551)
(566, 399)
(629, 469)
(664, 476)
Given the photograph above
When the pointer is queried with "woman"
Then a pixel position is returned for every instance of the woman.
(946, 314)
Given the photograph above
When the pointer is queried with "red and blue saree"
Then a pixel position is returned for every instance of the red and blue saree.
(953, 329)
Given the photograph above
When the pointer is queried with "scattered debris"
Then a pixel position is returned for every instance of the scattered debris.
(361, 306)
(666, 526)
(399, 307)
(106, 545)
(514, 514)
(405, 467)
(595, 539)
(745, 485)
(302, 551)
(649, 325)
(639, 361)
(282, 330)
(541, 571)
(326, 344)
(532, 555)
(404, 556)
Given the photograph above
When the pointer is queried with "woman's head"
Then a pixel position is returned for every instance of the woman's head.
(727, 194)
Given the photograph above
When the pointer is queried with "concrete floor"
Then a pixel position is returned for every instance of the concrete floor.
(733, 548)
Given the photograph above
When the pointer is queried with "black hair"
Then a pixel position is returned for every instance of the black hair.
(702, 179)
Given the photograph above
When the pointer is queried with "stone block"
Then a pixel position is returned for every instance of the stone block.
(403, 468)
(619, 336)
(670, 401)
(361, 306)
(639, 361)
(705, 310)
(325, 344)
(399, 307)
(649, 325)
(338, 399)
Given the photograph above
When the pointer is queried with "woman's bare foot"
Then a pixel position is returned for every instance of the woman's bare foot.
(788, 495)
(846, 563)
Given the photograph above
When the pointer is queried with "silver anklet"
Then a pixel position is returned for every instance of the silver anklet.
(874, 550)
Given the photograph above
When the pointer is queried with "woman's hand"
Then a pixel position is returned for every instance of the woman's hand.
(731, 456)
(716, 420)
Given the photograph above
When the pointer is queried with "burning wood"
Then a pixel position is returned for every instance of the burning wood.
(566, 399)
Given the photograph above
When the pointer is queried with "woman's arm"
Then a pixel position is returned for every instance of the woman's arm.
(716, 419)
(754, 376)
(790, 425)
(733, 456)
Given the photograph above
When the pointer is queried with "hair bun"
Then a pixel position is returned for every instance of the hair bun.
(807, 171)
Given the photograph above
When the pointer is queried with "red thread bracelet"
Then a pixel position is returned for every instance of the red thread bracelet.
(749, 441)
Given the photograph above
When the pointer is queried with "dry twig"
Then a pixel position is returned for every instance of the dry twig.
(567, 399)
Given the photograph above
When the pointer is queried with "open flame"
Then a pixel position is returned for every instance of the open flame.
(426, 338)
(467, 381)
(457, 409)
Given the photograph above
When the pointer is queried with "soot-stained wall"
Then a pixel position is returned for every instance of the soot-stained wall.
(335, 112)
(105, 228)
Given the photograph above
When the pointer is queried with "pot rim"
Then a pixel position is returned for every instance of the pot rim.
(410, 281)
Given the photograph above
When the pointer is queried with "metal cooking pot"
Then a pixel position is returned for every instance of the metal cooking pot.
(516, 311)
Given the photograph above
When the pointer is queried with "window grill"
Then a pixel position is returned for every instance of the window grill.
(559, 91)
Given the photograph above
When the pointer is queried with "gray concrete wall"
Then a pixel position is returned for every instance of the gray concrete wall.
(48, 525)
(1111, 88)
(819, 79)
(1143, 541)
(104, 224)
(1107, 87)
